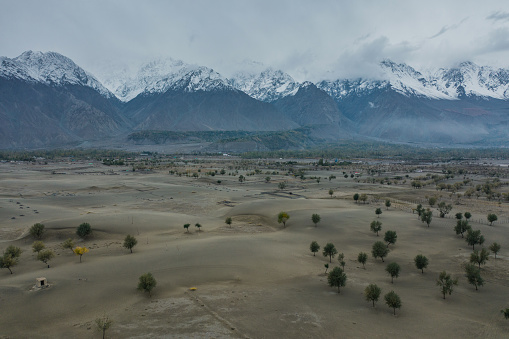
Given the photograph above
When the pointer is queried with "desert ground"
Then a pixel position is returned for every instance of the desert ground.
(253, 279)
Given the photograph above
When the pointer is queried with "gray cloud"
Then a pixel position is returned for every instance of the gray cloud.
(498, 16)
(308, 39)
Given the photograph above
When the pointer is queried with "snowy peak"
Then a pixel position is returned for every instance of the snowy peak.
(49, 68)
(269, 85)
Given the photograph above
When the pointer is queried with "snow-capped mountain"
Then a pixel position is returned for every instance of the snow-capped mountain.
(161, 75)
(50, 69)
(466, 80)
(269, 85)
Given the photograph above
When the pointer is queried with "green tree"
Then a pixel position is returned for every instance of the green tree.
(68, 244)
(337, 278)
(315, 218)
(459, 215)
(84, 230)
(376, 226)
(474, 275)
(474, 237)
(393, 270)
(331, 192)
(37, 230)
(45, 256)
(13, 251)
(228, 221)
(427, 216)
(362, 258)
(103, 324)
(372, 293)
(326, 267)
(432, 201)
(129, 242)
(379, 249)
(480, 257)
(282, 185)
(198, 226)
(341, 259)
(390, 237)
(356, 197)
(242, 178)
(147, 283)
(6, 261)
(330, 251)
(314, 247)
(419, 209)
(505, 313)
(444, 208)
(492, 218)
(387, 203)
(495, 247)
(378, 211)
(446, 283)
(186, 226)
(283, 217)
(38, 246)
(468, 215)
(267, 179)
(393, 300)
(421, 262)
(461, 227)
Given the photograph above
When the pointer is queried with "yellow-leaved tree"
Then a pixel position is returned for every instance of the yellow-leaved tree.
(80, 251)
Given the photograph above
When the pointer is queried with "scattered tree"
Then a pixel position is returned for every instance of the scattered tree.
(393, 270)
(330, 251)
(314, 247)
(186, 226)
(6, 261)
(446, 283)
(37, 230)
(480, 257)
(267, 179)
(387, 203)
(379, 250)
(242, 178)
(390, 237)
(80, 251)
(316, 219)
(474, 275)
(363, 198)
(419, 209)
(378, 211)
(129, 242)
(45, 256)
(331, 192)
(461, 227)
(13, 251)
(393, 300)
(38, 246)
(432, 201)
(68, 244)
(459, 215)
(427, 216)
(326, 267)
(495, 247)
(198, 226)
(444, 208)
(468, 215)
(474, 237)
(341, 259)
(228, 221)
(103, 324)
(362, 258)
(147, 283)
(372, 293)
(282, 185)
(283, 217)
(505, 313)
(84, 230)
(337, 278)
(376, 226)
(421, 262)
(356, 197)
(492, 218)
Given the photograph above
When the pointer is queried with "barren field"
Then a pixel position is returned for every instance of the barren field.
(253, 279)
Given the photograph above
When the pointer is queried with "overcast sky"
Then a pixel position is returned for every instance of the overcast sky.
(311, 40)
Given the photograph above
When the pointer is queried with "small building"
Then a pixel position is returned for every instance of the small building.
(41, 282)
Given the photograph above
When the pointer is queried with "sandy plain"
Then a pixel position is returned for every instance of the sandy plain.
(255, 279)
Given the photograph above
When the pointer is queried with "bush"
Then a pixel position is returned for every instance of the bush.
(84, 230)
(37, 230)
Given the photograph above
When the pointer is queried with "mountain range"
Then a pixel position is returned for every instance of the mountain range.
(46, 100)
